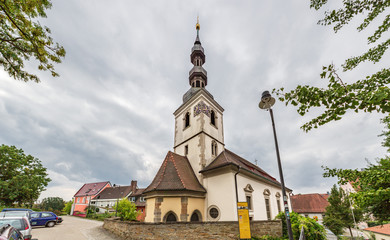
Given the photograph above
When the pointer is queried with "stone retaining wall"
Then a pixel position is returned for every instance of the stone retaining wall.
(188, 230)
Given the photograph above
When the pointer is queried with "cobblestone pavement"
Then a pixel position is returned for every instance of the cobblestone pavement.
(73, 228)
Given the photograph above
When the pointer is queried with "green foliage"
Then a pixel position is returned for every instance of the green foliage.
(312, 229)
(338, 214)
(22, 177)
(126, 210)
(372, 185)
(101, 216)
(368, 94)
(68, 207)
(22, 38)
(52, 204)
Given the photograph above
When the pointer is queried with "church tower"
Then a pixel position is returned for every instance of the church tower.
(199, 120)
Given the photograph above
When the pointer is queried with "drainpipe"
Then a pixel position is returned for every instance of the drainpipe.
(235, 182)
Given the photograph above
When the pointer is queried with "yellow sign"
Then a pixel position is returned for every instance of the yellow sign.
(243, 220)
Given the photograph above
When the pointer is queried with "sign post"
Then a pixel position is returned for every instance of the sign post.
(243, 220)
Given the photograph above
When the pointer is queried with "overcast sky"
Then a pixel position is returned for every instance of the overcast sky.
(109, 116)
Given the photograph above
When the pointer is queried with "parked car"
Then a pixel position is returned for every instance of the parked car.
(16, 214)
(7, 232)
(22, 224)
(47, 219)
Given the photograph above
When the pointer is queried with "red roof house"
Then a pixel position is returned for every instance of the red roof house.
(84, 195)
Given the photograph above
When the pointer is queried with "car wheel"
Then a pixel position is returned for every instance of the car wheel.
(50, 224)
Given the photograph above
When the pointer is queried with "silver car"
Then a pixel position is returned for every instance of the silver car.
(21, 223)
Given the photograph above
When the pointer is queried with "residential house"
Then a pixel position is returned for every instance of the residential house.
(380, 232)
(201, 180)
(310, 205)
(85, 194)
(138, 198)
(107, 198)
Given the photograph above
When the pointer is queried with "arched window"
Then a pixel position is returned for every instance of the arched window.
(170, 217)
(212, 117)
(196, 216)
(193, 84)
(267, 194)
(197, 84)
(202, 85)
(187, 120)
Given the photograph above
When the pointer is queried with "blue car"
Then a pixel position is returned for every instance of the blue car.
(47, 219)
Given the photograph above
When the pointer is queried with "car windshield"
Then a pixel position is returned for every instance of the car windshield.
(16, 223)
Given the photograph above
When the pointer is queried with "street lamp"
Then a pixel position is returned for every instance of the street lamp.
(266, 103)
(117, 200)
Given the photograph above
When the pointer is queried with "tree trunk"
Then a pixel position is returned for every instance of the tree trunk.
(350, 230)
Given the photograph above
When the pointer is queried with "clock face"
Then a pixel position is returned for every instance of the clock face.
(201, 107)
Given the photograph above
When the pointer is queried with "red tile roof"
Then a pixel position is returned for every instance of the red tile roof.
(309, 203)
(229, 158)
(91, 189)
(114, 192)
(174, 174)
(384, 229)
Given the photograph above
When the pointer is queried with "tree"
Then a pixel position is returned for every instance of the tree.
(68, 207)
(340, 214)
(52, 204)
(126, 210)
(368, 94)
(372, 187)
(22, 177)
(312, 229)
(22, 38)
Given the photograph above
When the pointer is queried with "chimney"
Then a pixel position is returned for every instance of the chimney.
(133, 186)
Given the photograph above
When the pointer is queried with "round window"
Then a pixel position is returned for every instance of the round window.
(214, 212)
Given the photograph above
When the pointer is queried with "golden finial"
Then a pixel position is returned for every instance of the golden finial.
(197, 24)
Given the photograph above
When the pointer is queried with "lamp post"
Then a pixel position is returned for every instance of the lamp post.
(266, 103)
(117, 200)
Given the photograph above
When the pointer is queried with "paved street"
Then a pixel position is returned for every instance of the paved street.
(73, 228)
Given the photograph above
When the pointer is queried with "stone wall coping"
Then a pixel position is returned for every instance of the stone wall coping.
(183, 223)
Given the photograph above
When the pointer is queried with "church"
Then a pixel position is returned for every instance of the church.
(201, 180)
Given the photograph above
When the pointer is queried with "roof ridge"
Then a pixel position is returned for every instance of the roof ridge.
(163, 170)
(177, 171)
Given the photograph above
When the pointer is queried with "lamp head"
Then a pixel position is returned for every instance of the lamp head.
(267, 101)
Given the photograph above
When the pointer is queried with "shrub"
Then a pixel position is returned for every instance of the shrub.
(126, 210)
(312, 229)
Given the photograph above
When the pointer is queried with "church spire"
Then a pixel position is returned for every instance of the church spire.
(198, 75)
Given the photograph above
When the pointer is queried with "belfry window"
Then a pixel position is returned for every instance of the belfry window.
(212, 117)
(197, 84)
(187, 120)
(202, 85)
(186, 150)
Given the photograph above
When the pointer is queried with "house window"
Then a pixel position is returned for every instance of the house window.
(277, 195)
(78, 200)
(142, 199)
(186, 150)
(268, 208)
(213, 213)
(249, 201)
(278, 203)
(187, 120)
(212, 117)
(267, 195)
